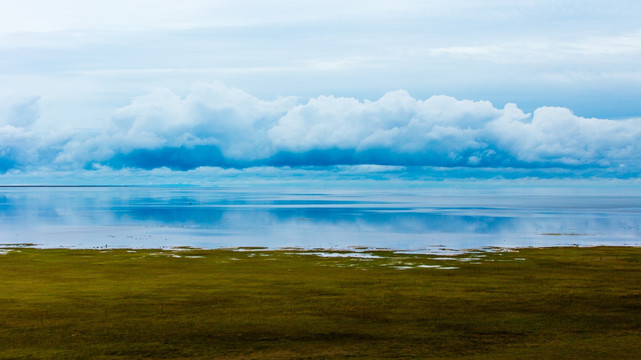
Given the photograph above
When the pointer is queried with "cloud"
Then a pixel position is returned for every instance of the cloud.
(218, 126)
(212, 114)
(165, 129)
(611, 48)
(439, 125)
(443, 131)
(18, 143)
(554, 135)
(19, 111)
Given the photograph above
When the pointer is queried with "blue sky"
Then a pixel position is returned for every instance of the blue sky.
(403, 88)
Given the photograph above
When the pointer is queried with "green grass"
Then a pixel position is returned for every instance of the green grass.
(552, 303)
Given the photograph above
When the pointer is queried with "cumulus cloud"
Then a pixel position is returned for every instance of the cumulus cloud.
(215, 125)
(18, 143)
(397, 127)
(212, 114)
(554, 135)
(400, 130)
(165, 129)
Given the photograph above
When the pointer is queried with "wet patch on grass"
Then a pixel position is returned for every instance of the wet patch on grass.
(350, 255)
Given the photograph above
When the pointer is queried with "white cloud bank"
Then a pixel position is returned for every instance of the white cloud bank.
(215, 125)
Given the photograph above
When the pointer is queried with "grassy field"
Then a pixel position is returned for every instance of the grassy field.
(553, 303)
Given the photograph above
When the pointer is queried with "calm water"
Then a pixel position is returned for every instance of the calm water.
(410, 219)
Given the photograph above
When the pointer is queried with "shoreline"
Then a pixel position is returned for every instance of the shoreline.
(428, 250)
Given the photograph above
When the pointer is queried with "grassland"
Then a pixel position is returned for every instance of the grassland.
(553, 303)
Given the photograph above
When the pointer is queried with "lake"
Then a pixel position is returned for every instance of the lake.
(414, 218)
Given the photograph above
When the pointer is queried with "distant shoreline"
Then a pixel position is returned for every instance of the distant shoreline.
(65, 186)
(300, 249)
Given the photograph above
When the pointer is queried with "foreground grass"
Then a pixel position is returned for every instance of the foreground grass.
(556, 303)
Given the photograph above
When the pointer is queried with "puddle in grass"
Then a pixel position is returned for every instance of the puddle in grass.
(357, 255)
(439, 267)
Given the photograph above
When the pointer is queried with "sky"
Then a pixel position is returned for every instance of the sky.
(372, 89)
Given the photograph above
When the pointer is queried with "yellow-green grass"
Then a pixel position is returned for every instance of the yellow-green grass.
(551, 303)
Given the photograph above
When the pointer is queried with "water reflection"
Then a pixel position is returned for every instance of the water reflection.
(454, 218)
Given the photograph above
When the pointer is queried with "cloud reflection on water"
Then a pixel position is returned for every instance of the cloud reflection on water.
(410, 219)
